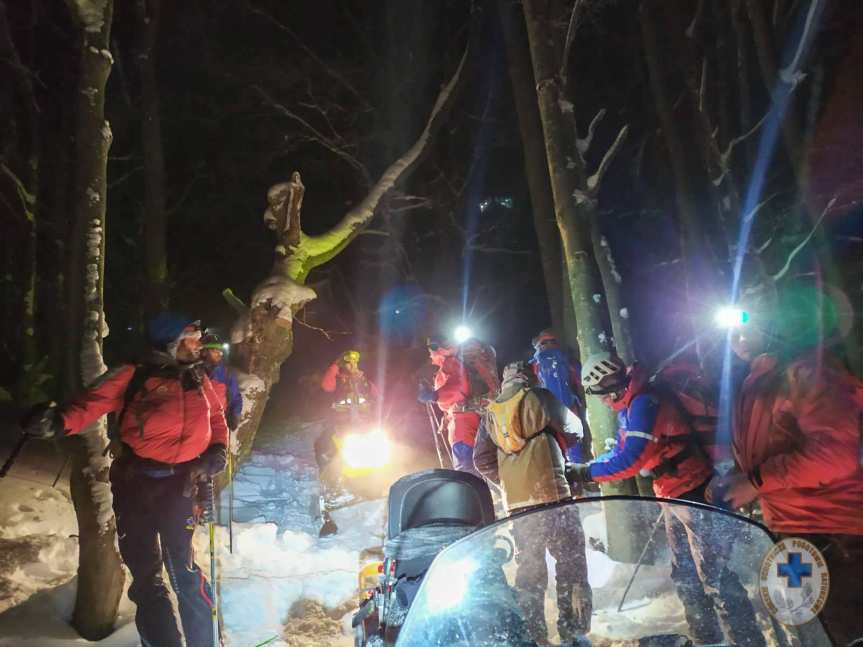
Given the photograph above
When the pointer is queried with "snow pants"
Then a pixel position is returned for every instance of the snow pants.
(560, 533)
(700, 543)
(155, 523)
(841, 615)
(462, 458)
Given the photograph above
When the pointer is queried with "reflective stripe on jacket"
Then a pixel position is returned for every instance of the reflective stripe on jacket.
(163, 422)
(799, 425)
(652, 431)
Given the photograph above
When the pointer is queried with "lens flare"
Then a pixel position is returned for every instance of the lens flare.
(462, 333)
(730, 317)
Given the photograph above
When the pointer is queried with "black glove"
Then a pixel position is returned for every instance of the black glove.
(426, 393)
(43, 421)
(578, 473)
(212, 462)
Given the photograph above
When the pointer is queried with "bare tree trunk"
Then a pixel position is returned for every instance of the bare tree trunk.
(100, 574)
(698, 261)
(155, 253)
(574, 210)
(535, 166)
(612, 281)
(263, 334)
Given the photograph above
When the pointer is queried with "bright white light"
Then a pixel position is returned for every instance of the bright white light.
(730, 317)
(366, 451)
(226, 347)
(462, 333)
(449, 583)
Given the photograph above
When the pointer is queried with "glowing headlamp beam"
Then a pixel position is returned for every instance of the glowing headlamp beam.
(462, 333)
(730, 317)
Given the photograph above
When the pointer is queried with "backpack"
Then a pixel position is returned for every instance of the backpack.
(684, 385)
(504, 423)
(115, 419)
(480, 362)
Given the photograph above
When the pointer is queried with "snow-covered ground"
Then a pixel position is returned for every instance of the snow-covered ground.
(280, 581)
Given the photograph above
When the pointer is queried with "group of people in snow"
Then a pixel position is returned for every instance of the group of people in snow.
(795, 448)
(172, 417)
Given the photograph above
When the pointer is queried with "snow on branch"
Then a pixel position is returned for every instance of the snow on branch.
(583, 145)
(790, 75)
(322, 248)
(595, 180)
(91, 14)
(803, 242)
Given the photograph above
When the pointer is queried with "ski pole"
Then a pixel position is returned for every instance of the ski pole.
(209, 500)
(14, 454)
(434, 426)
(230, 502)
(640, 560)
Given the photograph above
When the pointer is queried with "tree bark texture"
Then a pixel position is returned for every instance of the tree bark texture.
(154, 217)
(100, 573)
(263, 335)
(574, 209)
(535, 165)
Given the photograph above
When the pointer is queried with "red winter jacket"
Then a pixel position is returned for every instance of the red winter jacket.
(797, 434)
(335, 381)
(452, 387)
(163, 422)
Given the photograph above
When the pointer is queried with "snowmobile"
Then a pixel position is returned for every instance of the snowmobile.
(467, 593)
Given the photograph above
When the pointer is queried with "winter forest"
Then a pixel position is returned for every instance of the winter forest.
(299, 181)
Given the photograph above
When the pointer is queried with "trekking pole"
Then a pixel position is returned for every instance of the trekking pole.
(434, 425)
(230, 502)
(209, 500)
(14, 454)
(640, 560)
(62, 469)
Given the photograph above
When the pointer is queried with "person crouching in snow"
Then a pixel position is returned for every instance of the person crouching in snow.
(796, 442)
(517, 448)
(173, 434)
(452, 393)
(223, 378)
(654, 437)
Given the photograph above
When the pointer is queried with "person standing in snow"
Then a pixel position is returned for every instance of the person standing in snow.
(223, 378)
(557, 372)
(517, 448)
(655, 437)
(796, 440)
(451, 393)
(173, 434)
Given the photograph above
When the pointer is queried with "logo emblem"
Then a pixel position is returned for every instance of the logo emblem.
(794, 581)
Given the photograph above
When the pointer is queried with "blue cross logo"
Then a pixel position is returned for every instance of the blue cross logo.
(795, 570)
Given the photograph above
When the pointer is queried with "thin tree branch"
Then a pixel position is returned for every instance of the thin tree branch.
(803, 242)
(311, 54)
(574, 20)
(595, 180)
(583, 145)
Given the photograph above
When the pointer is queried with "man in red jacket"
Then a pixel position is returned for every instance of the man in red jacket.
(452, 394)
(796, 442)
(173, 434)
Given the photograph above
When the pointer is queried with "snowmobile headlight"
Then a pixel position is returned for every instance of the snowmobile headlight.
(366, 451)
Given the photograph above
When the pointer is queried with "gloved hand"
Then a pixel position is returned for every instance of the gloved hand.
(213, 461)
(578, 473)
(43, 422)
(426, 393)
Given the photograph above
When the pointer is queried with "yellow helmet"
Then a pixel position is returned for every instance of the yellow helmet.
(351, 357)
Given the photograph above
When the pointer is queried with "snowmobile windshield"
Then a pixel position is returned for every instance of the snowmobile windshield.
(631, 581)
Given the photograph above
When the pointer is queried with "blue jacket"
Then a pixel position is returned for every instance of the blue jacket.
(635, 424)
(225, 378)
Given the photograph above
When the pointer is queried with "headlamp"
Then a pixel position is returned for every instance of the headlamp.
(730, 317)
(462, 333)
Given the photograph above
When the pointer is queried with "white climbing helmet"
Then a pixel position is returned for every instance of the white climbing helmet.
(598, 367)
